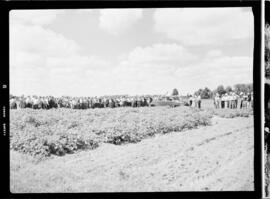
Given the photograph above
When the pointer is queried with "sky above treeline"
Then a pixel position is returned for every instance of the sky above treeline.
(93, 52)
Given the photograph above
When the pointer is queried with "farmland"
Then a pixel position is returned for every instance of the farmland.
(131, 146)
(61, 131)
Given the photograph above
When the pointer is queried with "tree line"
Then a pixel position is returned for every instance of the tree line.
(207, 93)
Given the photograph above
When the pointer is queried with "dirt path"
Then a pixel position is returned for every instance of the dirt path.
(217, 157)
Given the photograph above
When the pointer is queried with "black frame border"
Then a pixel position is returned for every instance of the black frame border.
(6, 6)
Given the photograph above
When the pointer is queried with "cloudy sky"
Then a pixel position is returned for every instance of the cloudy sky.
(129, 51)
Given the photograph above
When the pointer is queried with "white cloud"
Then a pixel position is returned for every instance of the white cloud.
(145, 71)
(23, 58)
(57, 75)
(44, 62)
(214, 53)
(36, 39)
(157, 59)
(118, 21)
(168, 53)
(197, 26)
(34, 17)
(221, 69)
(151, 69)
(76, 63)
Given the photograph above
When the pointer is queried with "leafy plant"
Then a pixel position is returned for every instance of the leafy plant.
(61, 131)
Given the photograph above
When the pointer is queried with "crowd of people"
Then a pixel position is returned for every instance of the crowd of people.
(227, 100)
(47, 102)
(233, 101)
(195, 101)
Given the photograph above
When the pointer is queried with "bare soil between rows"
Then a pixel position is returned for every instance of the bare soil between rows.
(219, 157)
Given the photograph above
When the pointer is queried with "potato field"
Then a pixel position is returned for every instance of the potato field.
(60, 131)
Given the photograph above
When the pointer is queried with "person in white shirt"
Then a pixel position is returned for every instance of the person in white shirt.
(195, 101)
(229, 99)
(226, 100)
(217, 101)
(233, 103)
(12, 103)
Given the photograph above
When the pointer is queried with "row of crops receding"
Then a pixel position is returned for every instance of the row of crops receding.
(61, 131)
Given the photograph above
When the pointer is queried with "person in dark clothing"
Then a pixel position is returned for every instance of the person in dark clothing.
(199, 101)
(190, 100)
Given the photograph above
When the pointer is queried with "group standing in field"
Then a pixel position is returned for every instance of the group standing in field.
(195, 101)
(227, 100)
(232, 100)
(37, 102)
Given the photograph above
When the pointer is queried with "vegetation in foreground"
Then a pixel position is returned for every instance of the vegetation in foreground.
(230, 113)
(59, 131)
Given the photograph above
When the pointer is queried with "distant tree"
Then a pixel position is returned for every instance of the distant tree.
(205, 93)
(175, 92)
(220, 90)
(228, 89)
(243, 88)
(198, 92)
(249, 87)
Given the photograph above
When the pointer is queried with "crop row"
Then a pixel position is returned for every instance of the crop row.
(61, 131)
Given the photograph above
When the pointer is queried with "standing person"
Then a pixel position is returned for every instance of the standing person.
(244, 101)
(222, 101)
(252, 99)
(80, 105)
(12, 103)
(233, 103)
(240, 100)
(229, 100)
(190, 100)
(199, 101)
(195, 101)
(215, 100)
(235, 99)
(219, 101)
(249, 100)
(226, 101)
(232, 100)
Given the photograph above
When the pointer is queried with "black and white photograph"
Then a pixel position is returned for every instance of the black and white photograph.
(131, 100)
